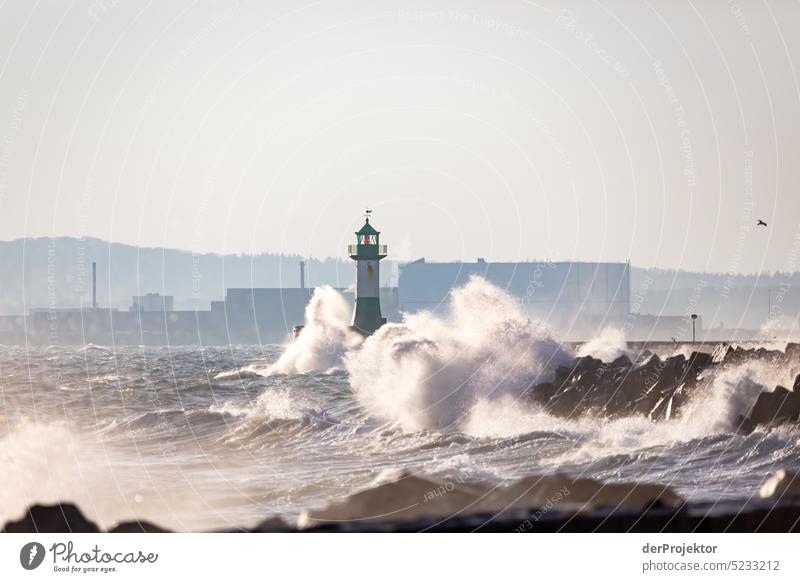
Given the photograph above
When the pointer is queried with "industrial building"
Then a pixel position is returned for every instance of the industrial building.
(152, 302)
(575, 299)
(256, 316)
(245, 316)
(567, 295)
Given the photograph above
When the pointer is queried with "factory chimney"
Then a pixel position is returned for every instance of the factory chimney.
(302, 274)
(94, 285)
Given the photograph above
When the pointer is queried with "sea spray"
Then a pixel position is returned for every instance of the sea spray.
(430, 371)
(280, 403)
(508, 416)
(725, 396)
(607, 346)
(325, 338)
(466, 370)
(128, 456)
(50, 462)
(714, 409)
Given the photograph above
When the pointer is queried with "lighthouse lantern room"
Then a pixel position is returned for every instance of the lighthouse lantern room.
(367, 252)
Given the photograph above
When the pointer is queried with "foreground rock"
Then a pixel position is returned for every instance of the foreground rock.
(137, 527)
(60, 518)
(408, 498)
(554, 503)
(413, 497)
(594, 507)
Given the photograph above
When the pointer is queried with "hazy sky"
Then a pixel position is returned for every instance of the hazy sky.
(656, 131)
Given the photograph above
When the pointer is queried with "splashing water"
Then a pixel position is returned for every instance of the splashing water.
(607, 346)
(192, 439)
(468, 370)
(429, 372)
(272, 404)
(729, 393)
(324, 339)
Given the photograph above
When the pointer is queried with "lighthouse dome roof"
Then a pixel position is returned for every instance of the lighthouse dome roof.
(367, 229)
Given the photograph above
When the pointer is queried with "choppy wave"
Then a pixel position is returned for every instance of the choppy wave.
(431, 371)
(224, 436)
(325, 338)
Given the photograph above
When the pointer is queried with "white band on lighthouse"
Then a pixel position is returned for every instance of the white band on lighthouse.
(368, 279)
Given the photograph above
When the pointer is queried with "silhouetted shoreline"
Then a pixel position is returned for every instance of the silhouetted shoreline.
(595, 507)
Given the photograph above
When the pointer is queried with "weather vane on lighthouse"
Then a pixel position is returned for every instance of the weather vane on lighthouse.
(367, 252)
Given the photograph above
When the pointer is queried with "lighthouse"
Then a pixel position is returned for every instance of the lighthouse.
(367, 252)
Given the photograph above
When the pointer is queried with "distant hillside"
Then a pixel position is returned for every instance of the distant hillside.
(670, 278)
(747, 301)
(44, 272)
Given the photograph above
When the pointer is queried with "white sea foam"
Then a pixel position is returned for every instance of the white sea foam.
(430, 371)
(45, 462)
(307, 439)
(714, 409)
(325, 338)
(726, 395)
(240, 374)
(607, 346)
(467, 370)
(273, 403)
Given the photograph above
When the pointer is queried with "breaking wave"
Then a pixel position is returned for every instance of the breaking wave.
(325, 338)
(429, 372)
(470, 369)
(271, 404)
(480, 391)
(607, 346)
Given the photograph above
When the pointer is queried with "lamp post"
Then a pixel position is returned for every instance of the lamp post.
(694, 318)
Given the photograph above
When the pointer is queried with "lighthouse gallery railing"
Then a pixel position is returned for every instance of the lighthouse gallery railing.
(353, 249)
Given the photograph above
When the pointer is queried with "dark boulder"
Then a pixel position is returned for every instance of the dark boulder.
(543, 392)
(137, 527)
(697, 363)
(792, 353)
(273, 524)
(668, 404)
(776, 407)
(652, 387)
(60, 518)
(413, 497)
(622, 362)
(720, 353)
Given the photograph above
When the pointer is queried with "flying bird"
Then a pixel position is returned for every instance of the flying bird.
(761, 223)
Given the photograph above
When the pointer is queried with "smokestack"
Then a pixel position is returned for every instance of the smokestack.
(94, 285)
(302, 274)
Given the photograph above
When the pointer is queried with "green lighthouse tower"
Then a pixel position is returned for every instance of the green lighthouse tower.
(367, 252)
